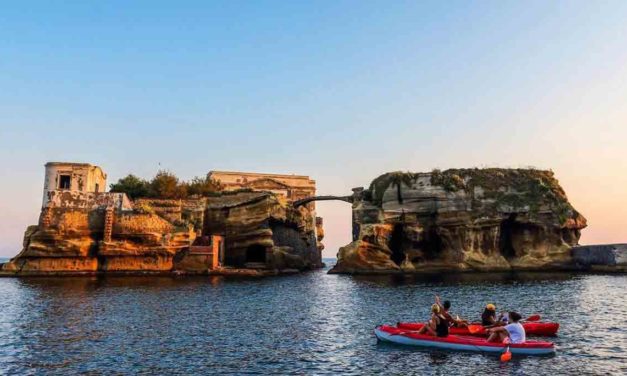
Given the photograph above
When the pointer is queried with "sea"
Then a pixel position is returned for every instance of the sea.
(311, 323)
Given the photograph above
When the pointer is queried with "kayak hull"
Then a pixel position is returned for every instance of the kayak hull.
(547, 329)
(454, 342)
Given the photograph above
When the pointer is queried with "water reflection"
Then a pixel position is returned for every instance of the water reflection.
(463, 278)
(312, 323)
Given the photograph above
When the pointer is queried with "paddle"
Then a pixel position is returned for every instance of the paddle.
(507, 355)
(474, 329)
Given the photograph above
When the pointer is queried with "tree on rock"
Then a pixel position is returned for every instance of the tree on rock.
(133, 186)
(165, 185)
(204, 186)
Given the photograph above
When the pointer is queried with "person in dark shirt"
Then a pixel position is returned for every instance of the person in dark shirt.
(488, 317)
(445, 307)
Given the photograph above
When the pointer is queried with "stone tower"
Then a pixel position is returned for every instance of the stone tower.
(77, 177)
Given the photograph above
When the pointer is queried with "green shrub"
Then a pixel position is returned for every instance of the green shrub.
(133, 186)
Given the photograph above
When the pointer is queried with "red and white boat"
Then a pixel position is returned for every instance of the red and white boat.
(457, 342)
(546, 329)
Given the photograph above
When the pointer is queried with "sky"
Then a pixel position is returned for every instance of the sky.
(341, 91)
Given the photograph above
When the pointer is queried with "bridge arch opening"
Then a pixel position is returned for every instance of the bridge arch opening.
(337, 226)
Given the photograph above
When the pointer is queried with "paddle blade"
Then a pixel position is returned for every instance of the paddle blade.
(506, 356)
(474, 329)
(534, 318)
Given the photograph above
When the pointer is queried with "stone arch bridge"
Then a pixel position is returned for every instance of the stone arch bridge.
(307, 200)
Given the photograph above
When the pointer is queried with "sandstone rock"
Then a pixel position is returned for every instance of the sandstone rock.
(463, 219)
(47, 265)
(152, 263)
(261, 222)
(98, 233)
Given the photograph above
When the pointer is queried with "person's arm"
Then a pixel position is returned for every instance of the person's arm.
(497, 329)
(449, 318)
(439, 303)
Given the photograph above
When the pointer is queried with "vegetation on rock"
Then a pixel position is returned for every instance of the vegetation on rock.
(514, 188)
(383, 182)
(133, 186)
(166, 185)
(204, 186)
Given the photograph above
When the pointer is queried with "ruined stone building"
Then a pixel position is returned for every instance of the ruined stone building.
(77, 177)
(292, 187)
(84, 229)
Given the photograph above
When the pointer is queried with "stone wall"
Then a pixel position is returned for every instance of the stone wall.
(600, 256)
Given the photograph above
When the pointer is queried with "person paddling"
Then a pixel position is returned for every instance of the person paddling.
(437, 325)
(515, 331)
(444, 308)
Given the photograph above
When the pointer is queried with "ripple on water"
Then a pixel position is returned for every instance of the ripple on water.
(311, 323)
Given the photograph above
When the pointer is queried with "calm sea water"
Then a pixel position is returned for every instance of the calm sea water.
(312, 323)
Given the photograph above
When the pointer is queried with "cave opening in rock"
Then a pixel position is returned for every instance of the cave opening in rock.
(506, 246)
(396, 244)
(256, 253)
(432, 245)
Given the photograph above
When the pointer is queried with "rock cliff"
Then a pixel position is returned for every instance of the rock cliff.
(461, 220)
(97, 233)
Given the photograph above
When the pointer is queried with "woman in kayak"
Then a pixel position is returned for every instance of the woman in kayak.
(515, 331)
(488, 317)
(437, 325)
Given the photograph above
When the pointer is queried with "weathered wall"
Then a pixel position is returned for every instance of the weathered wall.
(83, 178)
(265, 221)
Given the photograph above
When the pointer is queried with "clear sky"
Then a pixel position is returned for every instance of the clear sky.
(338, 90)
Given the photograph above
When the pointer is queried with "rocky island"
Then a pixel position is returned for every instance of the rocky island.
(235, 223)
(489, 219)
(226, 223)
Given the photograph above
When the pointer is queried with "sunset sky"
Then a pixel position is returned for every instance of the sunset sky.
(340, 90)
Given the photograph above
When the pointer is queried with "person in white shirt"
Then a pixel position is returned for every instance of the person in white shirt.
(514, 331)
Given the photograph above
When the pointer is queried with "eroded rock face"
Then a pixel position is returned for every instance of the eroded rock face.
(466, 219)
(263, 230)
(85, 237)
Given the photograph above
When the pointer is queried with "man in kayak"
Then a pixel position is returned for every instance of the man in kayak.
(444, 308)
(437, 325)
(515, 331)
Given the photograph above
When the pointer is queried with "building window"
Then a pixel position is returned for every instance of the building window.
(65, 181)
(97, 187)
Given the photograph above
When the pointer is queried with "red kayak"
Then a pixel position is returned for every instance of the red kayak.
(455, 342)
(547, 329)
